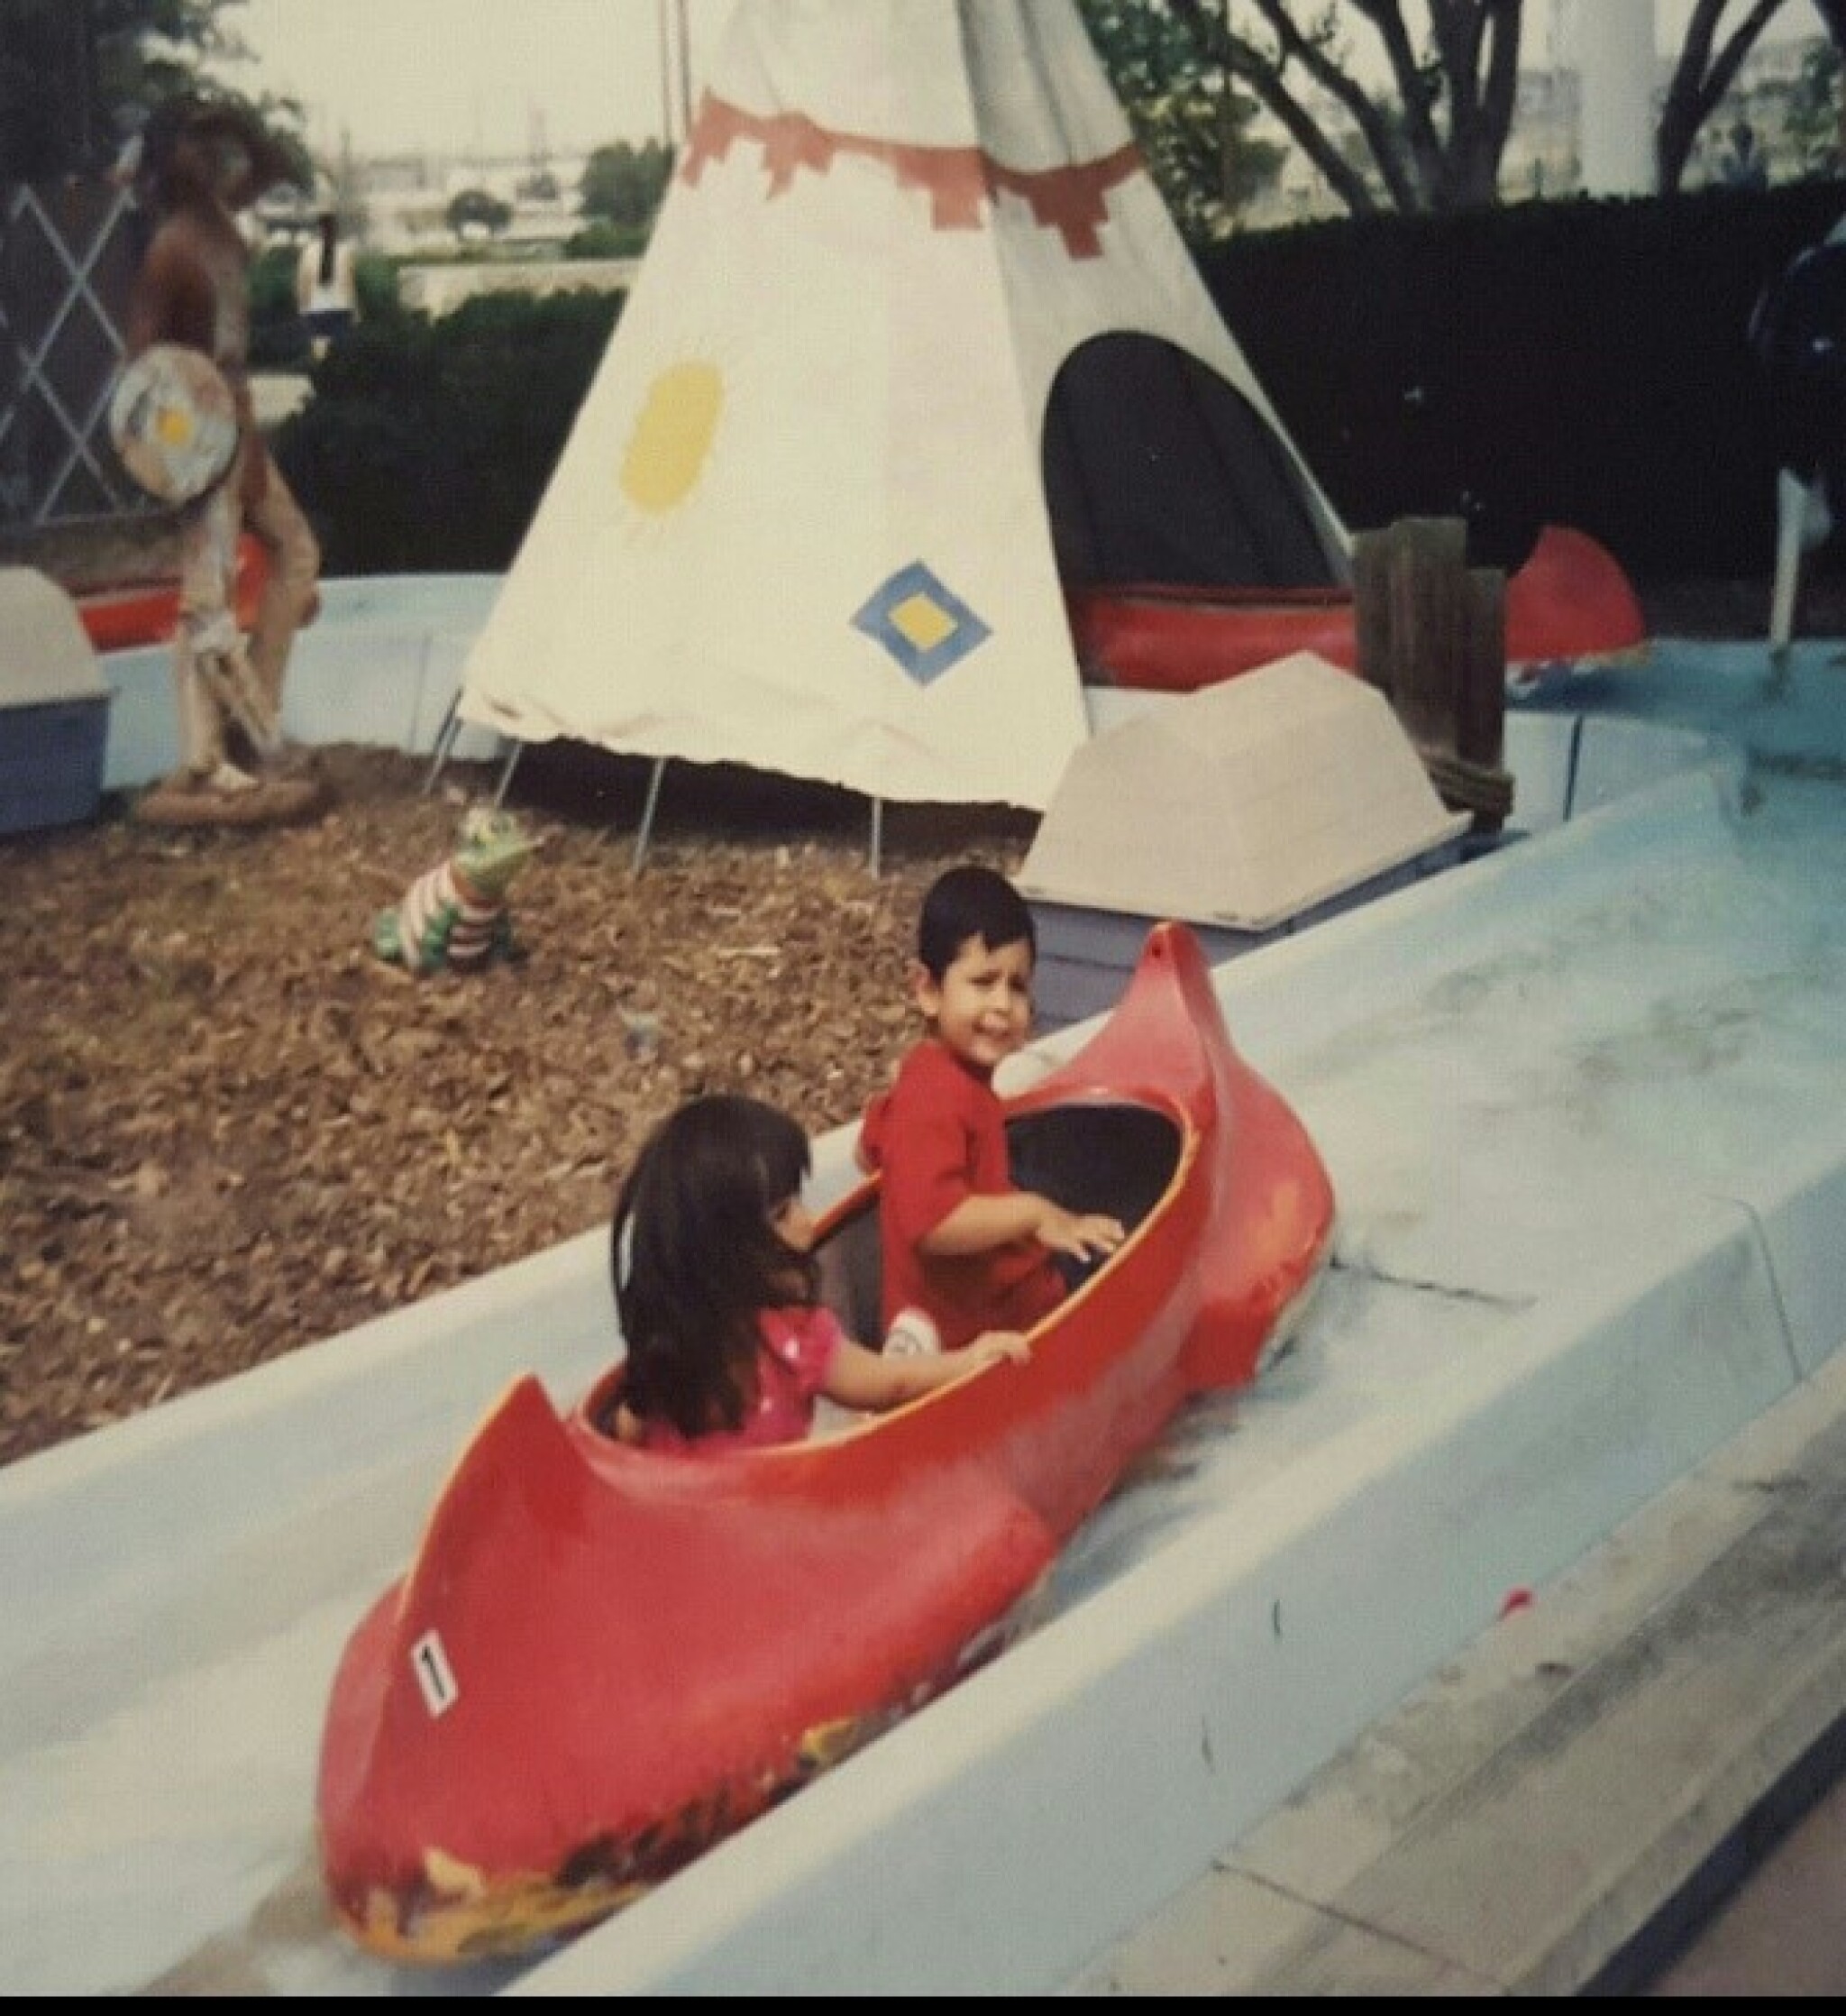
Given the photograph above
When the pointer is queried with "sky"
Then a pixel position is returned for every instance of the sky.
(497, 77)
(509, 78)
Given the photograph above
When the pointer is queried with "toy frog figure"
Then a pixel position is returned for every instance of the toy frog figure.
(456, 915)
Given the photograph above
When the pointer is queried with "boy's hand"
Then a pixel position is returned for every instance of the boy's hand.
(1083, 1235)
(993, 1345)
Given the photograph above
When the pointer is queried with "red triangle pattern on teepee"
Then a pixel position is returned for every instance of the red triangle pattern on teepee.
(1070, 199)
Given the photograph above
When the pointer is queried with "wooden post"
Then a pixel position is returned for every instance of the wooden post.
(1480, 717)
(1428, 624)
(1371, 607)
(1431, 634)
(1407, 617)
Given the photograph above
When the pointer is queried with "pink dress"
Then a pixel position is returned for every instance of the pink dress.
(792, 1368)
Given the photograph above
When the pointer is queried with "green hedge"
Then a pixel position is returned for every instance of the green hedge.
(427, 444)
(1582, 363)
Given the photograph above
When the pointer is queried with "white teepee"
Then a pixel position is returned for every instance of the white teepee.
(812, 512)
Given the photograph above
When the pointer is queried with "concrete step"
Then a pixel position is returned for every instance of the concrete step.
(1558, 1808)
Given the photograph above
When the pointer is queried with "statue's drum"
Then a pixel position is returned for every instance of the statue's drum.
(173, 422)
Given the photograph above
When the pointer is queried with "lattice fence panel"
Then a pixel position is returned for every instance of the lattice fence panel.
(67, 252)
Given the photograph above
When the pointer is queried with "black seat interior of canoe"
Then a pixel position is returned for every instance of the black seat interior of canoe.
(1117, 1159)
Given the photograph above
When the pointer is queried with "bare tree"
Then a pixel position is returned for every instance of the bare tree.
(1434, 137)
(1432, 141)
(1703, 71)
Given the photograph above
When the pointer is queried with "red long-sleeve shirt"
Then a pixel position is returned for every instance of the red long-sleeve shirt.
(939, 1137)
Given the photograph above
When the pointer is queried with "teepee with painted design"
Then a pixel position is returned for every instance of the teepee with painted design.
(914, 327)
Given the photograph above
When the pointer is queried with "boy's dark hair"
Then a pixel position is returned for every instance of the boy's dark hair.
(694, 1258)
(971, 902)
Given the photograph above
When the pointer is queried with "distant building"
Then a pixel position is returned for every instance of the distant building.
(1615, 105)
(405, 197)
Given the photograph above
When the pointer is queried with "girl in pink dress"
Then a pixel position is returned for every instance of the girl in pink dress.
(729, 1345)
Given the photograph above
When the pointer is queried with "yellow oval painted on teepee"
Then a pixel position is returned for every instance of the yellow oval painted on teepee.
(673, 435)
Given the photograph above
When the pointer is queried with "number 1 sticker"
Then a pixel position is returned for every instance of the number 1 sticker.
(434, 1676)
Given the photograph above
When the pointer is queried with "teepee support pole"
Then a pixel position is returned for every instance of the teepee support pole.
(877, 835)
(507, 770)
(647, 812)
(445, 741)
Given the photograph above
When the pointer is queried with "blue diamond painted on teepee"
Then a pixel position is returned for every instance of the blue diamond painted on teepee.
(925, 629)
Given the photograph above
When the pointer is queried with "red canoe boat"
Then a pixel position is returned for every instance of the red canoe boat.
(1570, 608)
(134, 613)
(603, 1660)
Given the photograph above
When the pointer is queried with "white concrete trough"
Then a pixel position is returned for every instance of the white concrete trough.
(1264, 807)
(1581, 1103)
(378, 666)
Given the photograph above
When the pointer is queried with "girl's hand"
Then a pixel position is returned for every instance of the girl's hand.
(869, 1382)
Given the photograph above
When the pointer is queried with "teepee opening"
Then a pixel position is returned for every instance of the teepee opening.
(1158, 470)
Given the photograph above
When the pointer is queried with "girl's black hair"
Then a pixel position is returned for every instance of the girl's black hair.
(971, 902)
(694, 1258)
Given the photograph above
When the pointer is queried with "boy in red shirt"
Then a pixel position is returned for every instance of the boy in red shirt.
(960, 1244)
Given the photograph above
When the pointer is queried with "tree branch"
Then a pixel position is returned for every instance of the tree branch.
(1704, 71)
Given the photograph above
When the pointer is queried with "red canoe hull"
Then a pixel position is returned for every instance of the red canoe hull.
(144, 613)
(602, 1661)
(1571, 606)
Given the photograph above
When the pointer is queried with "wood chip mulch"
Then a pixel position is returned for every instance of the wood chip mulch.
(228, 1129)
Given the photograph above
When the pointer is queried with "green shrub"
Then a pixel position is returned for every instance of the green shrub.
(427, 444)
(601, 238)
